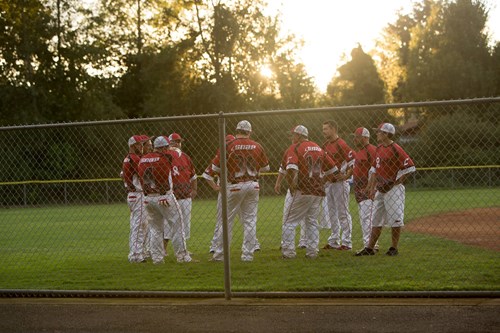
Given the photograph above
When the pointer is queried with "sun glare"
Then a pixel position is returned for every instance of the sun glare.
(266, 72)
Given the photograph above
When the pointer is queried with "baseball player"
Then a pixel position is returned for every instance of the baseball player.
(337, 191)
(135, 198)
(305, 166)
(324, 218)
(155, 172)
(185, 185)
(364, 157)
(246, 159)
(391, 167)
(209, 175)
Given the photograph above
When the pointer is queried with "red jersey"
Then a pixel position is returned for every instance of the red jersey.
(363, 161)
(155, 173)
(183, 173)
(312, 163)
(130, 172)
(390, 164)
(245, 160)
(341, 153)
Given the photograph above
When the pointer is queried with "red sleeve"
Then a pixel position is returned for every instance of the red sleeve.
(191, 166)
(404, 159)
(291, 157)
(262, 160)
(328, 162)
(347, 151)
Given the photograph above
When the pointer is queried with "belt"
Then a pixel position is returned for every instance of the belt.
(156, 194)
(243, 181)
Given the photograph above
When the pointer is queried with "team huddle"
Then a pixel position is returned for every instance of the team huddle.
(161, 182)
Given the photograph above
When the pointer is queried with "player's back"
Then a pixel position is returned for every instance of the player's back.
(311, 162)
(245, 158)
(154, 172)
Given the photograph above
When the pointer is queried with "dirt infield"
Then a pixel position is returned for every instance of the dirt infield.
(477, 227)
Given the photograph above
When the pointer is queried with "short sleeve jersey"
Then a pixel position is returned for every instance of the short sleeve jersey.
(130, 171)
(245, 160)
(183, 173)
(363, 161)
(341, 153)
(312, 163)
(155, 173)
(390, 163)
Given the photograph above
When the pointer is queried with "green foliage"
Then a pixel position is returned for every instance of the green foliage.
(447, 55)
(459, 138)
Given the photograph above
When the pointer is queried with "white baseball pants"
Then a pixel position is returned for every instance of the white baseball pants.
(138, 227)
(242, 199)
(185, 206)
(388, 208)
(157, 214)
(300, 208)
(337, 197)
(365, 209)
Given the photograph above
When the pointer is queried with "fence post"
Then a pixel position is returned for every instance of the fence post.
(223, 192)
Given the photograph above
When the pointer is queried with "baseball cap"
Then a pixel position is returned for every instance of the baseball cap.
(244, 125)
(161, 141)
(361, 131)
(386, 127)
(300, 129)
(175, 137)
(137, 138)
(230, 137)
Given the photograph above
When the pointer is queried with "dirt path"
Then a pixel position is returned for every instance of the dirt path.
(477, 227)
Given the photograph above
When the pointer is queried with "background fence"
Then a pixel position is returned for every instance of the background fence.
(64, 220)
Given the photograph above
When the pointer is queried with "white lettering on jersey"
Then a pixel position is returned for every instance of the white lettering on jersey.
(244, 147)
(176, 170)
(149, 160)
(313, 149)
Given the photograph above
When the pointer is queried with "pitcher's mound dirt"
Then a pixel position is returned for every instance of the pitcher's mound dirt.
(477, 227)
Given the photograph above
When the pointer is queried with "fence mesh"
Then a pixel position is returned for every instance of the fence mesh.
(64, 219)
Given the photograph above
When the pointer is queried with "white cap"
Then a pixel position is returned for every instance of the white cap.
(300, 129)
(161, 141)
(361, 131)
(387, 128)
(244, 125)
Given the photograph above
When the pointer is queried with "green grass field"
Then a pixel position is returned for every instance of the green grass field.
(85, 248)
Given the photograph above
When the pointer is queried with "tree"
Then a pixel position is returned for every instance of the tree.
(447, 55)
(358, 82)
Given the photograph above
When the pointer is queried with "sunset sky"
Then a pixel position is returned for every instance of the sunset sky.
(331, 28)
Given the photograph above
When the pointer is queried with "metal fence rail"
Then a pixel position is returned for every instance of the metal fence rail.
(64, 221)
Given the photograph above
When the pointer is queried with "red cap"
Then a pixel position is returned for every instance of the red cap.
(175, 137)
(361, 131)
(137, 138)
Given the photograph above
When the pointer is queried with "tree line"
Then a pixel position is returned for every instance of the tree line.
(68, 60)
(72, 60)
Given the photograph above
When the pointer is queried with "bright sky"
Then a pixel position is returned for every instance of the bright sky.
(331, 28)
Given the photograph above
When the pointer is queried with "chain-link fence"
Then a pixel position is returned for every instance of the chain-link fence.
(64, 218)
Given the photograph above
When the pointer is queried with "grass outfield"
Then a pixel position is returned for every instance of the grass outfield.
(85, 248)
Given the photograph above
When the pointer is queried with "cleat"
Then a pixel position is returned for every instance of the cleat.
(287, 257)
(343, 248)
(392, 252)
(365, 252)
(329, 247)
